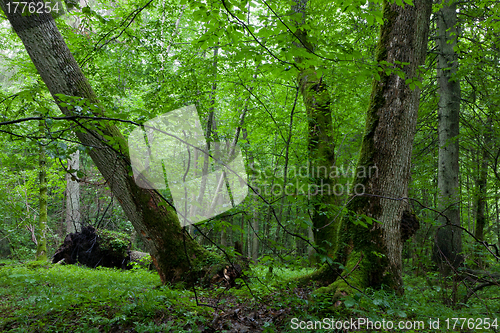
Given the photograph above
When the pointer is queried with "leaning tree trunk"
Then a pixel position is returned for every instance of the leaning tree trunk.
(371, 254)
(155, 222)
(448, 241)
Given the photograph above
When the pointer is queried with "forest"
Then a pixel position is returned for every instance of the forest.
(250, 166)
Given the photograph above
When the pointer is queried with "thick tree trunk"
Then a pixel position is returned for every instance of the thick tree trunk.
(156, 223)
(372, 253)
(448, 241)
(321, 145)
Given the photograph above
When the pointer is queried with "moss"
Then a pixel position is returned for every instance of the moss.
(354, 276)
(322, 157)
(114, 241)
(358, 246)
(324, 274)
(38, 264)
(390, 16)
(363, 268)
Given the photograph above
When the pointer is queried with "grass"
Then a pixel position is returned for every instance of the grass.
(38, 297)
(55, 298)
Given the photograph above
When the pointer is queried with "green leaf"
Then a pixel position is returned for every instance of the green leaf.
(360, 79)
(349, 303)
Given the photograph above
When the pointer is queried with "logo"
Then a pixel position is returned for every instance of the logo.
(171, 150)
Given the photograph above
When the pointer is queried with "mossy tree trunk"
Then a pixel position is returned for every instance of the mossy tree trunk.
(448, 241)
(372, 253)
(321, 144)
(41, 246)
(155, 222)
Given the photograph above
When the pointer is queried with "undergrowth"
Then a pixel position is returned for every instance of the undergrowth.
(69, 298)
(45, 297)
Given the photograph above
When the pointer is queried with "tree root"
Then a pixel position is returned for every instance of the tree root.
(325, 274)
(353, 279)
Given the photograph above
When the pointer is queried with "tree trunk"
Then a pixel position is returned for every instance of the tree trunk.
(223, 236)
(41, 246)
(310, 249)
(255, 203)
(481, 184)
(448, 242)
(320, 146)
(371, 254)
(208, 133)
(156, 223)
(497, 215)
(73, 222)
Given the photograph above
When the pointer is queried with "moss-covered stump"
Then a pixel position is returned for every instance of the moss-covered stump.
(93, 248)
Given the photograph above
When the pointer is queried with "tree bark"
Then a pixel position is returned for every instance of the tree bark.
(371, 254)
(208, 132)
(448, 241)
(321, 145)
(254, 232)
(73, 222)
(482, 183)
(41, 246)
(156, 223)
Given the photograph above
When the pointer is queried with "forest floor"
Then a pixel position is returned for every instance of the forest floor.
(38, 297)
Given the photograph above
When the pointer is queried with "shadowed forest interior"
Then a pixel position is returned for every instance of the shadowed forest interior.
(249, 166)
